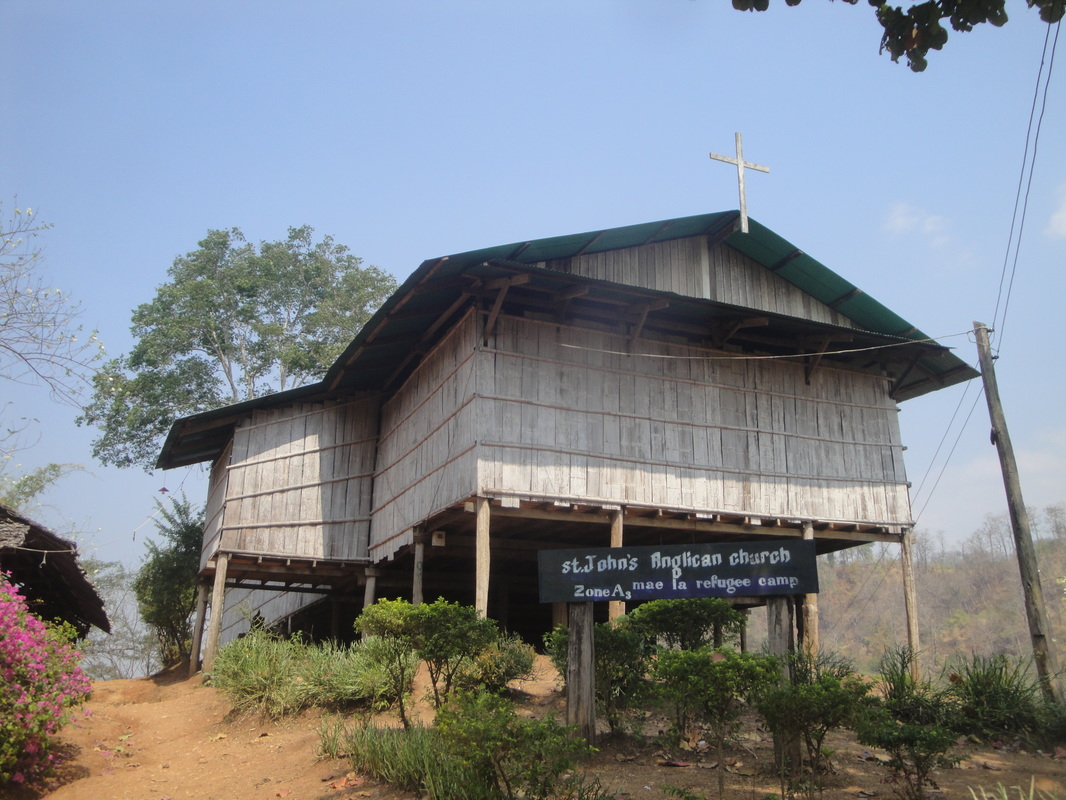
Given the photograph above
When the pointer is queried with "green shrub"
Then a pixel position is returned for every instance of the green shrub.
(622, 662)
(449, 637)
(504, 660)
(914, 749)
(822, 694)
(709, 686)
(906, 699)
(507, 755)
(909, 721)
(994, 697)
(389, 628)
(261, 672)
(480, 750)
(687, 623)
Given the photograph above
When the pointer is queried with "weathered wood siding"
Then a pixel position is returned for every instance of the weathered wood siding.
(216, 505)
(563, 416)
(298, 482)
(426, 458)
(243, 604)
(692, 268)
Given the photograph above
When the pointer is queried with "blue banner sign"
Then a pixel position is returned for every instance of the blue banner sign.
(737, 569)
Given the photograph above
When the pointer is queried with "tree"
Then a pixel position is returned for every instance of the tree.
(165, 585)
(40, 340)
(918, 30)
(233, 323)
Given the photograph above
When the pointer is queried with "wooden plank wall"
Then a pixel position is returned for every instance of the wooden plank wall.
(689, 267)
(429, 429)
(299, 481)
(216, 504)
(243, 604)
(564, 416)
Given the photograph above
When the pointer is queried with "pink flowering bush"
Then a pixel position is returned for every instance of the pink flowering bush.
(40, 685)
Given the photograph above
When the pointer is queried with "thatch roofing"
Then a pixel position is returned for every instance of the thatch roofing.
(45, 567)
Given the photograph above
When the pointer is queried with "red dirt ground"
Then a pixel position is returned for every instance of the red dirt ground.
(165, 738)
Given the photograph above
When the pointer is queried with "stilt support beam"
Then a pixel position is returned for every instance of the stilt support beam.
(581, 673)
(198, 629)
(483, 557)
(616, 608)
(218, 603)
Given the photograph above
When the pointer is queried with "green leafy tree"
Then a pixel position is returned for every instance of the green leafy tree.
(920, 28)
(165, 585)
(233, 322)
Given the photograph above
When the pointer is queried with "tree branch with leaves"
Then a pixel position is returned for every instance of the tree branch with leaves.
(234, 322)
(919, 29)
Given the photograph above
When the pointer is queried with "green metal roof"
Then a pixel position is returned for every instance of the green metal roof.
(389, 345)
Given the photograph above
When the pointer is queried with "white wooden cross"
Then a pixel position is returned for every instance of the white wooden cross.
(741, 164)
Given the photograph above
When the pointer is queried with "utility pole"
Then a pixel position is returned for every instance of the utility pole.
(1039, 629)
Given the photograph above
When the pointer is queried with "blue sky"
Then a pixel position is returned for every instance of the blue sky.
(409, 130)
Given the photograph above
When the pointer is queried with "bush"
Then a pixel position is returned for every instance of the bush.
(42, 684)
(504, 660)
(389, 628)
(915, 750)
(503, 754)
(904, 698)
(480, 750)
(823, 693)
(622, 660)
(709, 685)
(687, 623)
(909, 722)
(449, 637)
(995, 697)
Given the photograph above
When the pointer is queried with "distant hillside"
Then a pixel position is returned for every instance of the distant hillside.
(969, 596)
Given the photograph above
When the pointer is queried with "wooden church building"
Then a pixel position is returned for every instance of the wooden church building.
(672, 382)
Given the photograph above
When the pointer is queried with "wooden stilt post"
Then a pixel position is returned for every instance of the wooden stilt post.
(198, 629)
(483, 557)
(780, 642)
(559, 615)
(910, 602)
(809, 609)
(1039, 628)
(616, 608)
(420, 559)
(218, 603)
(580, 672)
(370, 591)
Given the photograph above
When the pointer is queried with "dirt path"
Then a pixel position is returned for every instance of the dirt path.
(165, 739)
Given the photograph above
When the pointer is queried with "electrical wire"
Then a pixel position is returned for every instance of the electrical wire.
(950, 454)
(998, 322)
(940, 445)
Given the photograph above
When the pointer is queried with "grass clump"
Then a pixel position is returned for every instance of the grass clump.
(994, 697)
(262, 672)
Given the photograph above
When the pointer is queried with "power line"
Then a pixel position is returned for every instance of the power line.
(999, 322)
